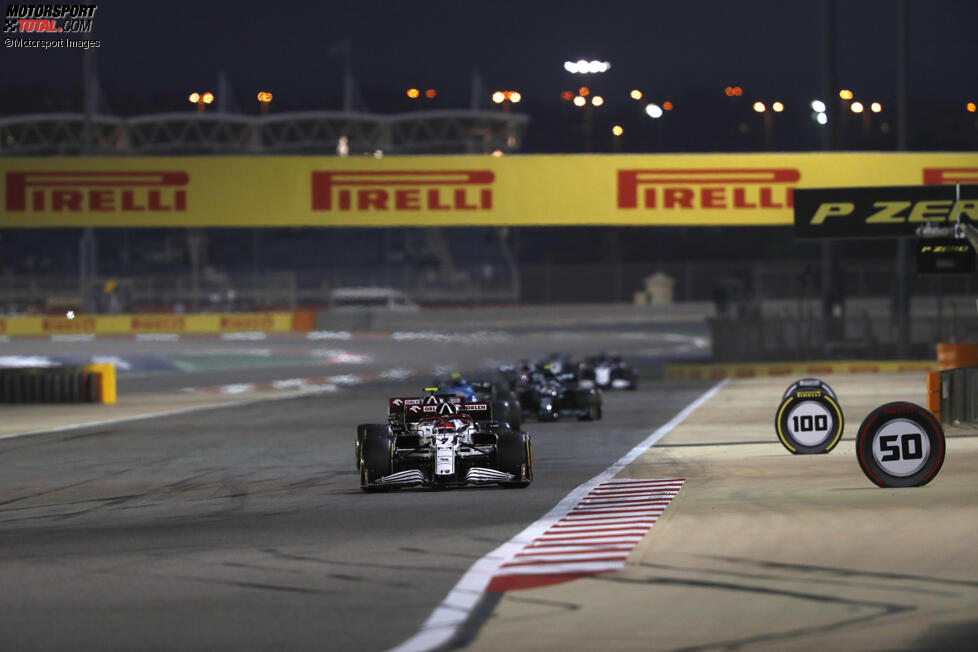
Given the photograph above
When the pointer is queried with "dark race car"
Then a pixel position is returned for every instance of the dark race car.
(548, 396)
(505, 403)
(558, 363)
(440, 441)
(607, 372)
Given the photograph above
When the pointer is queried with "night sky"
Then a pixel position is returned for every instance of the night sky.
(154, 53)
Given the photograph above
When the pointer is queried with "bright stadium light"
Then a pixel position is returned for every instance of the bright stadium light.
(857, 107)
(822, 119)
(498, 97)
(579, 101)
(875, 107)
(818, 106)
(583, 66)
(777, 107)
(654, 110)
(617, 130)
(597, 100)
(194, 98)
(413, 93)
(515, 97)
(759, 107)
(635, 94)
(207, 98)
(845, 94)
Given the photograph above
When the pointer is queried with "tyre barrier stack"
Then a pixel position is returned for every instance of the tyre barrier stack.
(93, 383)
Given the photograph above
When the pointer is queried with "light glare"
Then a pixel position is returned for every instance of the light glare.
(818, 106)
(857, 107)
(654, 110)
(822, 119)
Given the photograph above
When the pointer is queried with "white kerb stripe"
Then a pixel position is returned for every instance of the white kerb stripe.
(455, 608)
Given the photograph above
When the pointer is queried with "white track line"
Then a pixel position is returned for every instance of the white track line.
(454, 610)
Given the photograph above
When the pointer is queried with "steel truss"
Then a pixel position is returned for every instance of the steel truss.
(307, 132)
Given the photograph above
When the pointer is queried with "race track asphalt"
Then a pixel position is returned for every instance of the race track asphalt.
(243, 528)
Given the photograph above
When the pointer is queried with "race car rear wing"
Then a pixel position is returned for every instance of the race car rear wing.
(478, 411)
(397, 405)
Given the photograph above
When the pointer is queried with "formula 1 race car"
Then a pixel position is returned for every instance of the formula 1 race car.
(607, 372)
(506, 405)
(440, 441)
(548, 396)
(457, 385)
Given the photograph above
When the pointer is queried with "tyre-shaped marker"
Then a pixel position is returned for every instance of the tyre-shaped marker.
(900, 444)
(809, 419)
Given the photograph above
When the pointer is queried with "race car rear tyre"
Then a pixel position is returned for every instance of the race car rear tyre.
(361, 433)
(501, 412)
(514, 454)
(376, 456)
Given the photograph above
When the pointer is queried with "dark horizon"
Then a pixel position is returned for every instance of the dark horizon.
(152, 56)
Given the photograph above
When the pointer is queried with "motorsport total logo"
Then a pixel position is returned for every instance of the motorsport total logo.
(35, 25)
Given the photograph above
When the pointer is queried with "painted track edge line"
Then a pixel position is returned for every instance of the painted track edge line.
(449, 616)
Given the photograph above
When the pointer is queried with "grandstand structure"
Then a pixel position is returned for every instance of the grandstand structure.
(254, 268)
(303, 132)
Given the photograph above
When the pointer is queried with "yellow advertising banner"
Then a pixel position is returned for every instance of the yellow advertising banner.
(189, 324)
(518, 190)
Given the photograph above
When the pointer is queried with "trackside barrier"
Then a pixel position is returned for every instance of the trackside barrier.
(954, 355)
(934, 393)
(170, 323)
(959, 395)
(710, 371)
(93, 383)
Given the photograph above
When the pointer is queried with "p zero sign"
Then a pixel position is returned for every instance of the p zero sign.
(885, 211)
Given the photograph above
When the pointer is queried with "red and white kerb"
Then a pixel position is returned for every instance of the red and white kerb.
(594, 536)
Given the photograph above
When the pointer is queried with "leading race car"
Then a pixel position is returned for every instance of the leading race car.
(440, 441)
(607, 371)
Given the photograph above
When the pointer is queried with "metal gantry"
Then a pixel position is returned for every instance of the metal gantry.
(305, 132)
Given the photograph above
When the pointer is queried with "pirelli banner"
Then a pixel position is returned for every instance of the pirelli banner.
(655, 190)
(189, 324)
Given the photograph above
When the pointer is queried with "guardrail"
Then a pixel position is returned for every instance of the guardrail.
(94, 383)
(959, 395)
